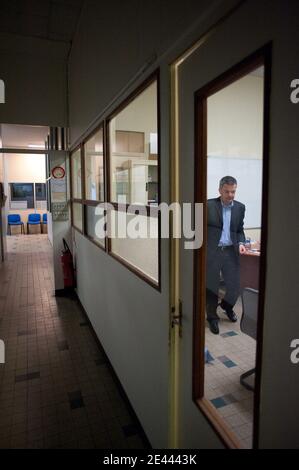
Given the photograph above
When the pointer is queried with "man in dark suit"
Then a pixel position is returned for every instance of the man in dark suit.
(226, 240)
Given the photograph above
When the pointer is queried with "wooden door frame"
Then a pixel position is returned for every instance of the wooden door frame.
(262, 57)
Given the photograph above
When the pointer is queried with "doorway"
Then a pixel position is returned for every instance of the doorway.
(231, 177)
(196, 89)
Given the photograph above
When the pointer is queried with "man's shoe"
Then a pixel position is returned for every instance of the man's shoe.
(232, 316)
(214, 328)
(230, 313)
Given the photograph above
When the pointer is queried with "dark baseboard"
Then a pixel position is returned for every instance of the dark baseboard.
(66, 292)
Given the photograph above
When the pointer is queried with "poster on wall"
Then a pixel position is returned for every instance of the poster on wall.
(59, 206)
(60, 211)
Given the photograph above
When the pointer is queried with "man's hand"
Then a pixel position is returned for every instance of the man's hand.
(242, 249)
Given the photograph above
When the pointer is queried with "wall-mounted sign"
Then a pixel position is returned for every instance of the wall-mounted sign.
(60, 211)
(58, 184)
(58, 172)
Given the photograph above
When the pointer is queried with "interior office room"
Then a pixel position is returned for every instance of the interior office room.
(24, 177)
(111, 335)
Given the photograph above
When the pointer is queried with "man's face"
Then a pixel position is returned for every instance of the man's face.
(227, 193)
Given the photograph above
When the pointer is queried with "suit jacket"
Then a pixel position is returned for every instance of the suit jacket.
(215, 224)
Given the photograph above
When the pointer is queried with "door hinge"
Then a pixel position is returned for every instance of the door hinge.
(177, 319)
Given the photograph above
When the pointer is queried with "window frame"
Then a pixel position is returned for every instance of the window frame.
(262, 57)
(91, 202)
(42, 187)
(76, 200)
(104, 124)
(154, 77)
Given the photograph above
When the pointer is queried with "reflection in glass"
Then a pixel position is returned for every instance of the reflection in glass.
(93, 218)
(77, 216)
(76, 174)
(234, 193)
(140, 253)
(133, 134)
(94, 168)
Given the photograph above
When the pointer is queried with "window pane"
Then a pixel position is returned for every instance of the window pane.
(94, 217)
(234, 167)
(40, 191)
(133, 134)
(94, 168)
(77, 215)
(22, 193)
(140, 253)
(76, 174)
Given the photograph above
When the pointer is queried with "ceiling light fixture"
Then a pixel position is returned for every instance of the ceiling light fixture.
(36, 146)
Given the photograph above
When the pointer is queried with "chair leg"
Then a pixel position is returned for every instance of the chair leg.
(244, 376)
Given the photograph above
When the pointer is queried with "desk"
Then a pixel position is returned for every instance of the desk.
(249, 269)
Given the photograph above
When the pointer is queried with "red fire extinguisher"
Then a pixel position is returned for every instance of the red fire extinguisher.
(67, 267)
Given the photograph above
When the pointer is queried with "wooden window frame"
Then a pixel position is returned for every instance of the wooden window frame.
(77, 200)
(154, 77)
(261, 57)
(91, 202)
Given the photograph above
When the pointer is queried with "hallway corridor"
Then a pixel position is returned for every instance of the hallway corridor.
(56, 388)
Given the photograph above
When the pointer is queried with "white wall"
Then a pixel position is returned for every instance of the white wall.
(235, 120)
(25, 168)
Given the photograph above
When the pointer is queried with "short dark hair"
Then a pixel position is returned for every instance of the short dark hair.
(227, 180)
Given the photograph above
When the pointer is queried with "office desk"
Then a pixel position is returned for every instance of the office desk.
(249, 269)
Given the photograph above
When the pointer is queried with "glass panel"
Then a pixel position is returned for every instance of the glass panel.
(21, 195)
(133, 134)
(234, 193)
(93, 218)
(77, 215)
(76, 174)
(40, 191)
(135, 240)
(16, 136)
(94, 168)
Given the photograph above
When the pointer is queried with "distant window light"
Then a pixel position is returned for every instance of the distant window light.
(2, 92)
(153, 143)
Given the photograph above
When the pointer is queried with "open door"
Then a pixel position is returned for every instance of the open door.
(223, 95)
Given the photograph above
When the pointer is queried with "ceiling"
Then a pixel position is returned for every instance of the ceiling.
(55, 20)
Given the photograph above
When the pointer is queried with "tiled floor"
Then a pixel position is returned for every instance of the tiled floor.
(231, 354)
(56, 389)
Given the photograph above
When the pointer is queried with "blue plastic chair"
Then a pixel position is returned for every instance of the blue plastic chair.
(34, 219)
(15, 219)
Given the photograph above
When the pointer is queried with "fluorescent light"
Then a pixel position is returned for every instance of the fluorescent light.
(36, 146)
